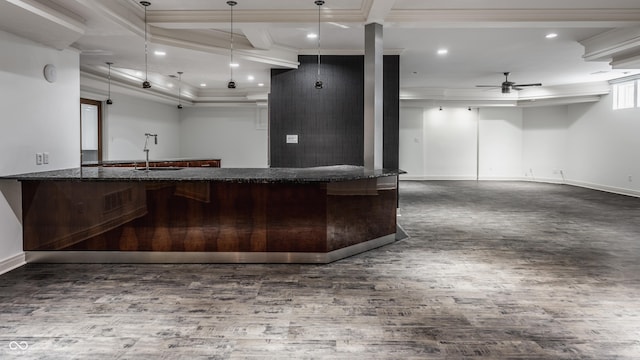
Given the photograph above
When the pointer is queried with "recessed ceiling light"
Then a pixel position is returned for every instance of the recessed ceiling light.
(139, 73)
(443, 51)
(170, 85)
(312, 36)
(261, 84)
(234, 65)
(551, 35)
(250, 78)
(160, 53)
(203, 85)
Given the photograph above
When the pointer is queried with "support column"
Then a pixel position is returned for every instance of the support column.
(373, 96)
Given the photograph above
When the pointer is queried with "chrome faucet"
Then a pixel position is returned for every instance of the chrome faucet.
(146, 147)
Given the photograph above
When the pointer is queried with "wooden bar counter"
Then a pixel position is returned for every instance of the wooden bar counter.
(114, 214)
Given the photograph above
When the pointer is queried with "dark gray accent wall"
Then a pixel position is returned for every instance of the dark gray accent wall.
(329, 122)
(391, 111)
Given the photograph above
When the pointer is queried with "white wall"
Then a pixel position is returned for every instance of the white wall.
(37, 116)
(127, 120)
(443, 144)
(411, 151)
(235, 135)
(545, 143)
(450, 143)
(585, 144)
(500, 143)
(603, 147)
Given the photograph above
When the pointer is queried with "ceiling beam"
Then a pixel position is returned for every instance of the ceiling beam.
(258, 36)
(40, 23)
(379, 10)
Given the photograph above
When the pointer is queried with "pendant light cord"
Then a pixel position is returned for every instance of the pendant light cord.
(231, 4)
(109, 77)
(179, 87)
(319, 3)
(146, 84)
(146, 69)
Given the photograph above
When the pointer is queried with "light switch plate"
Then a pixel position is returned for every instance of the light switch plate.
(45, 158)
(292, 139)
(39, 157)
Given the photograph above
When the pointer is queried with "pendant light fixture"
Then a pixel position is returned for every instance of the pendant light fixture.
(109, 101)
(179, 89)
(318, 81)
(231, 84)
(145, 84)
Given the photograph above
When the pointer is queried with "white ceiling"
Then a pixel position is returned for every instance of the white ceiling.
(484, 39)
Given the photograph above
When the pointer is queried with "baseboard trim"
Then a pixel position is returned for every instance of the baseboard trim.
(605, 188)
(582, 184)
(142, 257)
(12, 262)
(433, 177)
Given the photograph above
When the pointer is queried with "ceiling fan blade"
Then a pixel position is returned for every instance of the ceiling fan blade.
(491, 86)
(521, 85)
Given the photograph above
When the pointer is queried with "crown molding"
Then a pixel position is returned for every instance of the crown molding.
(604, 18)
(559, 101)
(96, 78)
(40, 23)
(620, 46)
(475, 97)
(346, 52)
(177, 19)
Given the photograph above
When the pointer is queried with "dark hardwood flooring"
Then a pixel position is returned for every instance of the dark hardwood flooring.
(492, 270)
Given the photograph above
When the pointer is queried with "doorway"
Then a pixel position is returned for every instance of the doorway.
(90, 132)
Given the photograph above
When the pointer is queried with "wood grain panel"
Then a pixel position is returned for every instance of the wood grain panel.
(201, 216)
(297, 218)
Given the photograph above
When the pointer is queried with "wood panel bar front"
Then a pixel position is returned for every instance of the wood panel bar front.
(206, 216)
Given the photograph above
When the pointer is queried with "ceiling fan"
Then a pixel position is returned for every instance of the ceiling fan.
(507, 85)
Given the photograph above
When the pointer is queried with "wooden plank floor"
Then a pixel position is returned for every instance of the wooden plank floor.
(492, 270)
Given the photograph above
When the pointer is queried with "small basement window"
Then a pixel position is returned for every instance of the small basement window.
(624, 95)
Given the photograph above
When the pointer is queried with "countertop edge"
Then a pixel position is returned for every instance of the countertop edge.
(237, 175)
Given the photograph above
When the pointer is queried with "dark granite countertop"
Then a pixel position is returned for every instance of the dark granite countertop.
(243, 175)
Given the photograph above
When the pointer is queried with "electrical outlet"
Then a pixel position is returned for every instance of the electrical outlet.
(39, 158)
(45, 158)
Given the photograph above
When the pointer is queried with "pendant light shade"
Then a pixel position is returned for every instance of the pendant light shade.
(319, 84)
(180, 89)
(145, 84)
(231, 84)
(109, 101)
